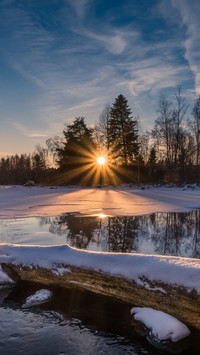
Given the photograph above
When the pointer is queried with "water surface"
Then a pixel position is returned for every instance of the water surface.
(75, 322)
(176, 234)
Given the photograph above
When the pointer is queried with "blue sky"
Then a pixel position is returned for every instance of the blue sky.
(65, 58)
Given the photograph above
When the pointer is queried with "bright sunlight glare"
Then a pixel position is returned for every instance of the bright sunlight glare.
(101, 160)
(102, 215)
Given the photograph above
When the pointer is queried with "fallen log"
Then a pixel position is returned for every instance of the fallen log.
(169, 284)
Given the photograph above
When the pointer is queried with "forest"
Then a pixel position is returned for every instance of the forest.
(170, 153)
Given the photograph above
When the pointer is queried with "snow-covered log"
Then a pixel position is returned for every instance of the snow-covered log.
(169, 284)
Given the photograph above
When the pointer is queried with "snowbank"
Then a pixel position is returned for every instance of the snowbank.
(162, 325)
(140, 268)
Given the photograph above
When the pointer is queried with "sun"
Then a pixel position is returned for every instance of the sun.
(102, 215)
(101, 160)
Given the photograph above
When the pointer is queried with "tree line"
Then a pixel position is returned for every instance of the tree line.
(18, 169)
(169, 153)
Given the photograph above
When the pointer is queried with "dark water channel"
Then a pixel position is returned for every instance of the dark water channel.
(76, 321)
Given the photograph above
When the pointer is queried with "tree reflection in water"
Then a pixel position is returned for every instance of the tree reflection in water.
(175, 234)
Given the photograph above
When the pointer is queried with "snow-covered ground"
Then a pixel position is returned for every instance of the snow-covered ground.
(20, 201)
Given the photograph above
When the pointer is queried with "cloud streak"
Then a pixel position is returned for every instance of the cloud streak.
(26, 132)
(190, 18)
(80, 7)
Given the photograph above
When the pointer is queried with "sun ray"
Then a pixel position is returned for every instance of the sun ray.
(89, 165)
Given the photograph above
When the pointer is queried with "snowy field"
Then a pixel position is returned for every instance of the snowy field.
(20, 201)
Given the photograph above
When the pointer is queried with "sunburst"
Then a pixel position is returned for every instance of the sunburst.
(93, 167)
(101, 160)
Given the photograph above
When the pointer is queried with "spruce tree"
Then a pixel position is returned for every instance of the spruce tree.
(152, 158)
(123, 132)
(77, 146)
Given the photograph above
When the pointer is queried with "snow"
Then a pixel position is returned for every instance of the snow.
(162, 325)
(21, 201)
(39, 297)
(145, 284)
(4, 278)
(138, 267)
(60, 271)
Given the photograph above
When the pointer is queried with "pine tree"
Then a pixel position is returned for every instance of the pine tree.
(122, 132)
(152, 158)
(78, 146)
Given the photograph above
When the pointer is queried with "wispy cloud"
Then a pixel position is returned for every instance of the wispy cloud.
(79, 6)
(153, 75)
(114, 43)
(26, 132)
(189, 13)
